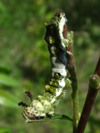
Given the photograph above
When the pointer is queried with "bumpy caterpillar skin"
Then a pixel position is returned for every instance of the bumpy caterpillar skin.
(57, 39)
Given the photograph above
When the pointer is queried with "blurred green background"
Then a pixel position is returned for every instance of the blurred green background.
(24, 59)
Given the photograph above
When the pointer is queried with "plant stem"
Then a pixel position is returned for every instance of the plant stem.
(94, 86)
(75, 96)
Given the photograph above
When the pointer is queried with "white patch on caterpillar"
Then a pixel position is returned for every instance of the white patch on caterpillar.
(53, 50)
(58, 93)
(60, 71)
(62, 22)
(58, 67)
(59, 90)
(62, 83)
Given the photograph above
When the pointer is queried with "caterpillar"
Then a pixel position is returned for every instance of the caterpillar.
(58, 39)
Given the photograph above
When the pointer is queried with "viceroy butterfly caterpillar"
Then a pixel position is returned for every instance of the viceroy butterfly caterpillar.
(58, 40)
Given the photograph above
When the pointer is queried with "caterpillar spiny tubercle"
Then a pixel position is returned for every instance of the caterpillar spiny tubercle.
(58, 39)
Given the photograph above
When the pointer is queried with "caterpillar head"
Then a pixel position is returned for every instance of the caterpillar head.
(38, 109)
(59, 16)
(34, 111)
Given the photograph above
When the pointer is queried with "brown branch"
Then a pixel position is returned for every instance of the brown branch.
(97, 69)
(94, 86)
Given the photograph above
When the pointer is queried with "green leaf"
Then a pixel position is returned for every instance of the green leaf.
(8, 99)
(60, 117)
(8, 81)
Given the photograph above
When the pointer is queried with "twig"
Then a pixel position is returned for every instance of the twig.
(75, 97)
(94, 86)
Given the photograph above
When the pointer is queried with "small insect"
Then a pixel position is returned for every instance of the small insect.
(57, 38)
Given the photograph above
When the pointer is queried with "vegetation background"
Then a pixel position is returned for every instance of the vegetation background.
(25, 65)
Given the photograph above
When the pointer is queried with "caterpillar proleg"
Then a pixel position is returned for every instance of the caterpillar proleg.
(58, 39)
